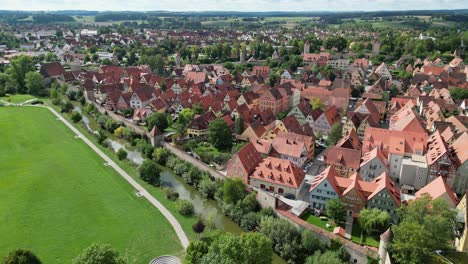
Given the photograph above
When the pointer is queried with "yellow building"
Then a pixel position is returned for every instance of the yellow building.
(461, 241)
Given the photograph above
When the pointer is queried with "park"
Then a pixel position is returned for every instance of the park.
(57, 196)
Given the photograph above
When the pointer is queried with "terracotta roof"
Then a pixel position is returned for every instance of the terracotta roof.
(384, 182)
(376, 152)
(350, 140)
(349, 158)
(460, 146)
(436, 148)
(278, 171)
(196, 77)
(330, 174)
(393, 141)
(438, 188)
(52, 69)
(155, 131)
(406, 119)
(263, 146)
(387, 236)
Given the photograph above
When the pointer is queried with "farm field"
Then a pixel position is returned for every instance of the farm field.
(57, 196)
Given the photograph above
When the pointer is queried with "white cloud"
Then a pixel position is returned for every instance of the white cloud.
(233, 5)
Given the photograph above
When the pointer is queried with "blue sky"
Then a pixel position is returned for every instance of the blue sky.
(232, 5)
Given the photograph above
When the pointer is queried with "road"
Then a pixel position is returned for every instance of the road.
(175, 224)
(195, 162)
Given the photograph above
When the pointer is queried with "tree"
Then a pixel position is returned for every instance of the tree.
(219, 134)
(317, 103)
(207, 187)
(328, 257)
(239, 125)
(76, 117)
(149, 172)
(99, 254)
(106, 61)
(285, 237)
(335, 134)
(160, 155)
(66, 107)
(425, 225)
(121, 154)
(197, 109)
(199, 227)
(19, 66)
(335, 210)
(374, 220)
(185, 117)
(234, 190)
(34, 83)
(157, 119)
(459, 93)
(248, 248)
(21, 256)
(185, 207)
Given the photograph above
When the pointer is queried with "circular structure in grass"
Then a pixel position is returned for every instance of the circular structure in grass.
(165, 260)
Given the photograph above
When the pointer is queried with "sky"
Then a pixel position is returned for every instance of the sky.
(232, 5)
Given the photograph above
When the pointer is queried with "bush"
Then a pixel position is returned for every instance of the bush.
(170, 194)
(20, 256)
(67, 106)
(56, 101)
(122, 154)
(160, 155)
(185, 207)
(101, 136)
(149, 172)
(207, 187)
(76, 117)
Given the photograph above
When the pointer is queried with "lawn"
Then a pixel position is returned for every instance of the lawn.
(17, 98)
(316, 221)
(355, 235)
(57, 196)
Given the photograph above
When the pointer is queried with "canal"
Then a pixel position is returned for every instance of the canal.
(208, 209)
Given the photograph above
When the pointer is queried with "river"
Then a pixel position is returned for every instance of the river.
(208, 209)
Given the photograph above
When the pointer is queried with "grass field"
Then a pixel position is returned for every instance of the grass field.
(17, 98)
(57, 197)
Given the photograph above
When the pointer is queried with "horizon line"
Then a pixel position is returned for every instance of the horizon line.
(237, 11)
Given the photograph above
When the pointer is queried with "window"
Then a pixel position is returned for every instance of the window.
(280, 190)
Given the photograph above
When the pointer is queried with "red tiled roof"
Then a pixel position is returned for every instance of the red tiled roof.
(438, 188)
(278, 171)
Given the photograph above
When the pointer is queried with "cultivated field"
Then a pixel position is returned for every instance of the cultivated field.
(57, 196)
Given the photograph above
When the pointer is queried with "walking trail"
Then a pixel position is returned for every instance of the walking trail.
(175, 224)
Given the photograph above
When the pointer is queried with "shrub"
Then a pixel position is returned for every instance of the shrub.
(170, 193)
(76, 117)
(67, 106)
(185, 207)
(21, 256)
(149, 172)
(160, 155)
(207, 187)
(122, 154)
(56, 101)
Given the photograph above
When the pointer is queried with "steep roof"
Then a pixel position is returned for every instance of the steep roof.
(278, 171)
(438, 188)
(393, 141)
(350, 140)
(406, 119)
(52, 69)
(349, 158)
(375, 153)
(384, 182)
(329, 174)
